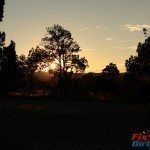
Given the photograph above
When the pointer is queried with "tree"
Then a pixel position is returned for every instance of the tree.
(63, 50)
(8, 67)
(2, 2)
(140, 64)
(2, 44)
(133, 65)
(36, 60)
(111, 71)
(146, 32)
(9, 58)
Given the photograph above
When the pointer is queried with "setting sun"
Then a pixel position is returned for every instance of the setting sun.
(52, 66)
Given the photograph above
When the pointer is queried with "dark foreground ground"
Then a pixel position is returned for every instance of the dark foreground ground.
(45, 125)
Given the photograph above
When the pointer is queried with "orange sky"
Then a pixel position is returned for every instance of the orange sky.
(107, 31)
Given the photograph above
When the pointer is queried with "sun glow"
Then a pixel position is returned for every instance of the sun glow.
(52, 66)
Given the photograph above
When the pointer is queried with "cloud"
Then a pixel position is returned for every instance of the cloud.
(126, 48)
(132, 47)
(83, 29)
(134, 27)
(123, 41)
(109, 39)
(101, 28)
(88, 49)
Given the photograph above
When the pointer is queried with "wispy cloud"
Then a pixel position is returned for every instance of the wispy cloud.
(83, 29)
(132, 47)
(123, 41)
(109, 39)
(126, 48)
(101, 28)
(134, 27)
(88, 49)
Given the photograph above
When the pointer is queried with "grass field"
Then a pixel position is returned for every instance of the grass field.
(27, 124)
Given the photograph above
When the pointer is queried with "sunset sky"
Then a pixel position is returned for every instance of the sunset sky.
(106, 30)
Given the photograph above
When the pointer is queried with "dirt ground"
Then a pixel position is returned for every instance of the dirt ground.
(46, 125)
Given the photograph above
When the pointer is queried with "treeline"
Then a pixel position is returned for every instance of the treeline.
(2, 2)
(17, 73)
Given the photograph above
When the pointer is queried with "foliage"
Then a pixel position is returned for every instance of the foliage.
(27, 66)
(2, 2)
(63, 50)
(133, 65)
(8, 64)
(67, 81)
(111, 71)
(36, 59)
(140, 64)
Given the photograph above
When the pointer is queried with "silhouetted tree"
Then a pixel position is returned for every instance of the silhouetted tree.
(63, 50)
(21, 73)
(21, 65)
(111, 71)
(140, 64)
(2, 43)
(35, 61)
(2, 39)
(79, 64)
(9, 67)
(2, 2)
(146, 32)
(133, 65)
